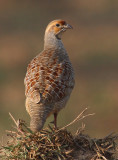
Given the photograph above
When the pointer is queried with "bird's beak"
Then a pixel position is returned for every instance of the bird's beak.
(68, 26)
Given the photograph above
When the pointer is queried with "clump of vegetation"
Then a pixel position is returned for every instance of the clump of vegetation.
(57, 144)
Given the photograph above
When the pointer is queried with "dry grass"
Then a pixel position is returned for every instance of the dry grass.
(57, 144)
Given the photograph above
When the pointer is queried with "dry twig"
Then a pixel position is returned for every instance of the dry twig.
(78, 118)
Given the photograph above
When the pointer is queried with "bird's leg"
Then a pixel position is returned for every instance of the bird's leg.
(55, 120)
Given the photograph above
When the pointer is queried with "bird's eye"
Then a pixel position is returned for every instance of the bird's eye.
(57, 25)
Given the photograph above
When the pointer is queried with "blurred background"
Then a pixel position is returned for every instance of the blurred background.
(93, 49)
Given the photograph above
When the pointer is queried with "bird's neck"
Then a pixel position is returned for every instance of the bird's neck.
(52, 42)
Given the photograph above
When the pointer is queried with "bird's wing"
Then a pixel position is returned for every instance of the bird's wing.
(48, 78)
(32, 81)
(57, 82)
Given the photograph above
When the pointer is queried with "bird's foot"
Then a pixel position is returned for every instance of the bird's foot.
(54, 126)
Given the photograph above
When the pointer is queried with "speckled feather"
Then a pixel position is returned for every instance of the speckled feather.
(48, 83)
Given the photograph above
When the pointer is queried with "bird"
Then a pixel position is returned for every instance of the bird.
(49, 79)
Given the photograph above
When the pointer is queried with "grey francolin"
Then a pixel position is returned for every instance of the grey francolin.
(50, 78)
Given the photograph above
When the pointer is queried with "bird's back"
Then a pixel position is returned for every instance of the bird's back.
(51, 75)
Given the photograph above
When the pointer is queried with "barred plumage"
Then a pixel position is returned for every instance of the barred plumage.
(50, 78)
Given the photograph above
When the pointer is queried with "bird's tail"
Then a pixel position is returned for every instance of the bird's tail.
(38, 113)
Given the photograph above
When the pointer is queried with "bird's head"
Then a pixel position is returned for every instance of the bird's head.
(57, 28)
